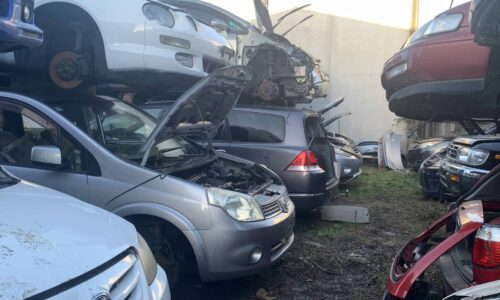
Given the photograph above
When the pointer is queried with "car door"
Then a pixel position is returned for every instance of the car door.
(22, 128)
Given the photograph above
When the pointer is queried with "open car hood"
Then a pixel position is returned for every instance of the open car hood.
(204, 106)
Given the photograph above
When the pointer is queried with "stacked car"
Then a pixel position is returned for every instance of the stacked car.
(465, 240)
(210, 186)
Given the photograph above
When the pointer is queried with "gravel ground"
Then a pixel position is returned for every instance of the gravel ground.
(339, 260)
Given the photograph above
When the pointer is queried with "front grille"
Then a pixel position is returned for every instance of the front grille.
(4, 8)
(453, 151)
(126, 278)
(271, 209)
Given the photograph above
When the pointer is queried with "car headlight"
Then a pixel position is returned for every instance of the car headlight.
(444, 23)
(158, 14)
(27, 13)
(397, 70)
(472, 157)
(147, 259)
(239, 206)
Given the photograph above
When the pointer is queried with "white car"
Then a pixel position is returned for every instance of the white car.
(284, 70)
(135, 42)
(54, 246)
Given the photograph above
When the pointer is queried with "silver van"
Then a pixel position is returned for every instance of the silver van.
(198, 209)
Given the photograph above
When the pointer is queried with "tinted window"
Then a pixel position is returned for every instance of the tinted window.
(256, 127)
(21, 129)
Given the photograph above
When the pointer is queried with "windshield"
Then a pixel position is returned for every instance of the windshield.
(123, 129)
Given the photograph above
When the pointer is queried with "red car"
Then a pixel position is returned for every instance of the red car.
(468, 256)
(440, 73)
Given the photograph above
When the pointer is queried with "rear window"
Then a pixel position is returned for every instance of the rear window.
(256, 127)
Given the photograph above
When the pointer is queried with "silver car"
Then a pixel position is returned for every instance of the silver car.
(198, 209)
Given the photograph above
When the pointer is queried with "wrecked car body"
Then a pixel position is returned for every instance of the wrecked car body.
(107, 248)
(147, 44)
(466, 255)
(441, 74)
(166, 179)
(419, 151)
(286, 74)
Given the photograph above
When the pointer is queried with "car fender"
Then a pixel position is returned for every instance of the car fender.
(176, 219)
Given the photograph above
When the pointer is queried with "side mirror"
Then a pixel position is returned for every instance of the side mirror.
(218, 25)
(46, 155)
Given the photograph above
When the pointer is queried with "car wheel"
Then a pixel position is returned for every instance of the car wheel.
(161, 240)
(65, 70)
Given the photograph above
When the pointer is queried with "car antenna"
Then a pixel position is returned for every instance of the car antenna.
(294, 26)
(451, 4)
(289, 13)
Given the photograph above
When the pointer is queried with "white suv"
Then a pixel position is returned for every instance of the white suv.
(54, 246)
(135, 42)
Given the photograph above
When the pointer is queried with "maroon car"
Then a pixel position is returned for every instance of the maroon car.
(468, 255)
(441, 73)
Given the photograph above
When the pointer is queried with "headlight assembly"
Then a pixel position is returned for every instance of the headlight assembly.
(444, 23)
(239, 206)
(147, 260)
(27, 13)
(473, 157)
(158, 14)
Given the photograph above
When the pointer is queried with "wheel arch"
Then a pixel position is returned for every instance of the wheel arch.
(176, 220)
(54, 11)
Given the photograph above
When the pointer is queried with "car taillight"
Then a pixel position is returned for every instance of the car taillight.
(486, 254)
(305, 161)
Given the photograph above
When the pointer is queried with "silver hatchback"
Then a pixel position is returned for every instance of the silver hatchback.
(199, 209)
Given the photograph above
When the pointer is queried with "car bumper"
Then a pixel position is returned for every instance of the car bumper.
(229, 244)
(350, 168)
(457, 180)
(429, 182)
(162, 57)
(159, 287)
(16, 35)
(311, 201)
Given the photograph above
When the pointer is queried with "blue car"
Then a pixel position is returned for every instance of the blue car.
(17, 25)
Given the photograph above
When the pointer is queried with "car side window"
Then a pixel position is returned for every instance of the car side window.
(256, 127)
(21, 129)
